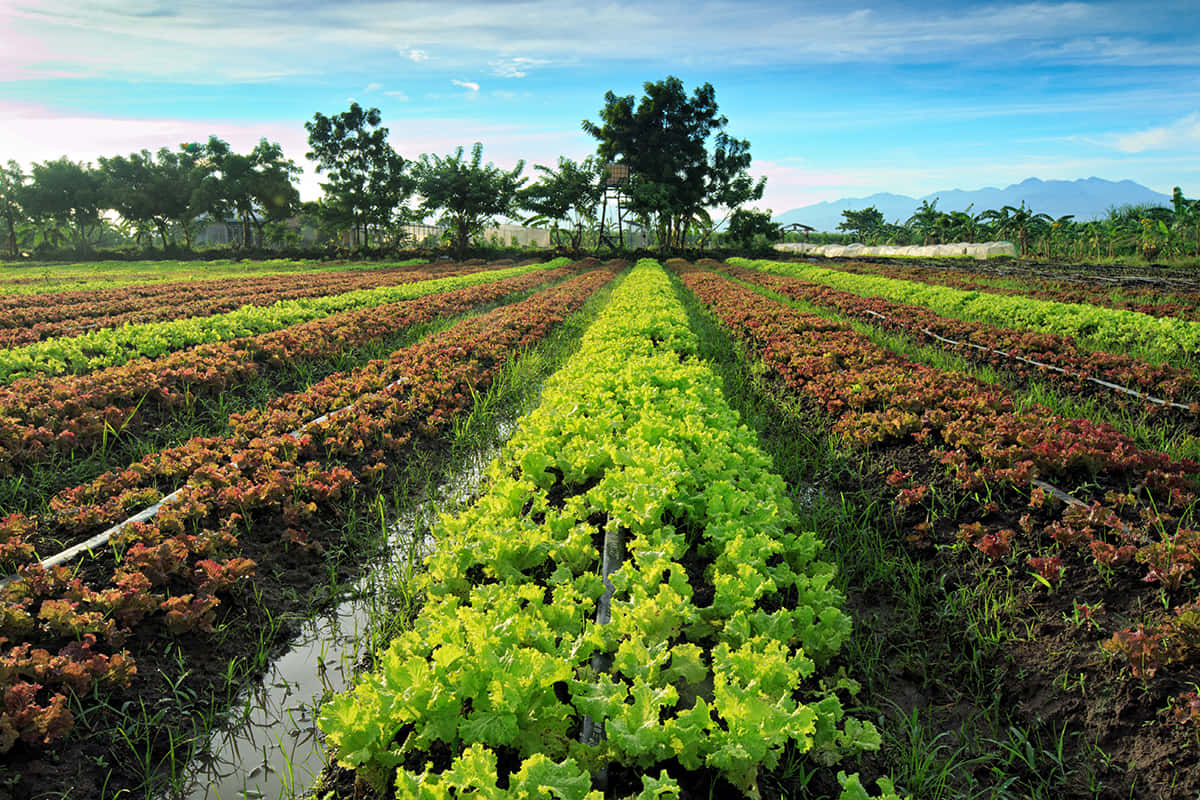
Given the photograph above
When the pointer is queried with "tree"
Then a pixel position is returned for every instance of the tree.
(927, 221)
(747, 224)
(865, 225)
(569, 194)
(65, 199)
(255, 187)
(368, 186)
(146, 190)
(272, 191)
(1186, 215)
(728, 184)
(1016, 223)
(663, 140)
(468, 193)
(12, 184)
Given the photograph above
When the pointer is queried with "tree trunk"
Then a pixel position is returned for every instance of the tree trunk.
(12, 234)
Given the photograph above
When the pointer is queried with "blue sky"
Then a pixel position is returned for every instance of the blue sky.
(837, 100)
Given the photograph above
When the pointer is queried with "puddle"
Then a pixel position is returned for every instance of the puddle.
(270, 747)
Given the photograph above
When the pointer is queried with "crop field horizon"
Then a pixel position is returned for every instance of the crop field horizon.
(747, 528)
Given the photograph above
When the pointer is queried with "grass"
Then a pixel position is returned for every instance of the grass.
(928, 651)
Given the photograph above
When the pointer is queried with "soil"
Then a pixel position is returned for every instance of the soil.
(1050, 668)
(104, 754)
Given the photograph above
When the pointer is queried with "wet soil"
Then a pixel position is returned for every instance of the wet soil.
(138, 736)
(1046, 662)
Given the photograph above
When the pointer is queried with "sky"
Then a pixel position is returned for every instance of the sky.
(837, 99)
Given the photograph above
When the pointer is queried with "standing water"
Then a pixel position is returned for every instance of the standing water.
(269, 747)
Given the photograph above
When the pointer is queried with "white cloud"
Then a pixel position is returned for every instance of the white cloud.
(372, 87)
(514, 67)
(401, 96)
(1183, 132)
(474, 87)
(226, 41)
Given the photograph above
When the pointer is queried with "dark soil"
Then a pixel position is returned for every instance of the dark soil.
(1046, 662)
(104, 754)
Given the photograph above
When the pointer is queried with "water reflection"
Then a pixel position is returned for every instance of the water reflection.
(269, 746)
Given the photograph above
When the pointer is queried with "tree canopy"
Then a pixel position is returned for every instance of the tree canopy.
(367, 185)
(680, 158)
(468, 194)
(568, 194)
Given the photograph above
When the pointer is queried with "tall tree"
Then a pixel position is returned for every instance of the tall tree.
(746, 225)
(926, 221)
(469, 194)
(65, 198)
(254, 187)
(728, 184)
(1016, 222)
(367, 184)
(273, 193)
(150, 190)
(663, 139)
(12, 184)
(1187, 217)
(567, 194)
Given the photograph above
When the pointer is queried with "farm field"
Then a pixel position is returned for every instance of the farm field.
(762, 528)
(20, 278)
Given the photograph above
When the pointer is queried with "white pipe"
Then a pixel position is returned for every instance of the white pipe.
(148, 513)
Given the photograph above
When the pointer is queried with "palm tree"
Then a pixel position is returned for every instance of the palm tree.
(926, 221)
(962, 226)
(1017, 223)
(1186, 216)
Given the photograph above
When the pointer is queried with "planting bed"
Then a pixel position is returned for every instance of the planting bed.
(1166, 294)
(49, 420)
(629, 610)
(111, 667)
(1171, 394)
(639, 602)
(1094, 538)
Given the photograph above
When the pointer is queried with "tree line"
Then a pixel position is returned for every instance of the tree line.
(677, 161)
(1135, 231)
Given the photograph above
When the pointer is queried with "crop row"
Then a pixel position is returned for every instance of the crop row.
(62, 629)
(1165, 338)
(34, 279)
(630, 597)
(114, 346)
(997, 345)
(31, 318)
(1128, 513)
(1155, 302)
(43, 418)
(109, 280)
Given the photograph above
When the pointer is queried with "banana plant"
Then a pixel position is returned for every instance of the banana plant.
(1018, 223)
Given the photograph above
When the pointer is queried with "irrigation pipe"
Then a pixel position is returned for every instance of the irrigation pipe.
(1055, 368)
(151, 511)
(592, 731)
(1048, 487)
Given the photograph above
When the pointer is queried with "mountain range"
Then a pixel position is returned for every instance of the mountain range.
(1086, 198)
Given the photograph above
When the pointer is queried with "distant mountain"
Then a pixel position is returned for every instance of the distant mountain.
(1088, 198)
